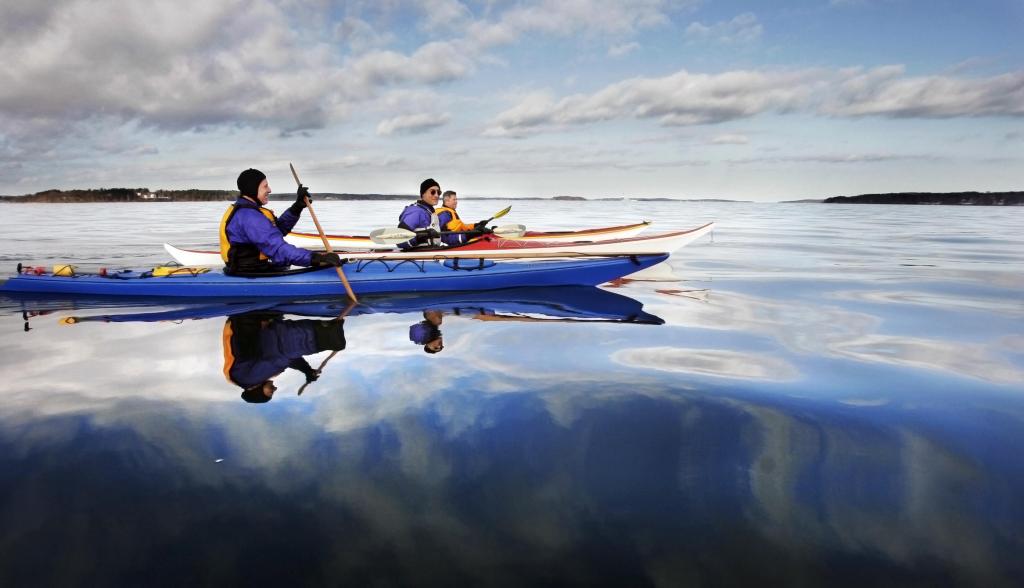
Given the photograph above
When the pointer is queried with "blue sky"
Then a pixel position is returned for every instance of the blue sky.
(671, 98)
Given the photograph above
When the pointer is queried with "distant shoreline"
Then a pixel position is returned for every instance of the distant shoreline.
(197, 195)
(935, 198)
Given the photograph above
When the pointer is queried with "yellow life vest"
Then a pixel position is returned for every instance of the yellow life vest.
(229, 354)
(225, 245)
(456, 223)
(229, 341)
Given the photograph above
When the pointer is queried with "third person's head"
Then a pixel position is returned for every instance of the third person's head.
(450, 199)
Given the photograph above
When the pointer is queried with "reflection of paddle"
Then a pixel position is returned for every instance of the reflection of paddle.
(396, 235)
(323, 237)
(320, 369)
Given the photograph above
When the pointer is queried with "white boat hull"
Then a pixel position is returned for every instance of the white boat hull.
(313, 241)
(502, 249)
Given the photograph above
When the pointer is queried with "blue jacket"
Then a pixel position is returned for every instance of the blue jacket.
(249, 226)
(417, 215)
(260, 351)
(443, 218)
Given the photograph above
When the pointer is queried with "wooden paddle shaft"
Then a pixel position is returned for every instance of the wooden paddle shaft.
(323, 237)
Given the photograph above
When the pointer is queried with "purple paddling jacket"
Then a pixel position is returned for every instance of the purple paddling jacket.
(261, 351)
(249, 226)
(415, 216)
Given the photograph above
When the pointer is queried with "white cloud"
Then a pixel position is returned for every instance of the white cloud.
(194, 64)
(360, 36)
(432, 63)
(443, 14)
(884, 91)
(684, 98)
(744, 28)
(623, 49)
(730, 139)
(168, 64)
(412, 123)
(838, 158)
(678, 99)
(575, 17)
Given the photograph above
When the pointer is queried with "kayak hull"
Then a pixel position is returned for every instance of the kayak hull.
(492, 247)
(366, 277)
(313, 241)
(565, 303)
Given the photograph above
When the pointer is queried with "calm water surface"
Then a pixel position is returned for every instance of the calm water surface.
(821, 395)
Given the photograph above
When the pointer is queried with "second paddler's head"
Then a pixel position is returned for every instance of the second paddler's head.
(428, 335)
(430, 191)
(253, 184)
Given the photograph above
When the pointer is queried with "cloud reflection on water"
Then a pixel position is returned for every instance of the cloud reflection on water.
(670, 480)
(712, 362)
(810, 328)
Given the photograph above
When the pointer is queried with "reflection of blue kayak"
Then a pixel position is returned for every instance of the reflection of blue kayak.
(366, 277)
(568, 302)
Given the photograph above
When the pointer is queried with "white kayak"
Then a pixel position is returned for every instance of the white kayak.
(492, 247)
(349, 242)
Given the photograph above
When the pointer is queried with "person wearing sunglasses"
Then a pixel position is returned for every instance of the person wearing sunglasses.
(421, 218)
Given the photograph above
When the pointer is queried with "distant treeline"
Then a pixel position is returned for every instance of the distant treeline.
(960, 198)
(125, 195)
(194, 195)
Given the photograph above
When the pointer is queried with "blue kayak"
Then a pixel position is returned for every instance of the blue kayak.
(366, 277)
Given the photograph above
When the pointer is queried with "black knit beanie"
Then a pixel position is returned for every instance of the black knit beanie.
(427, 184)
(249, 182)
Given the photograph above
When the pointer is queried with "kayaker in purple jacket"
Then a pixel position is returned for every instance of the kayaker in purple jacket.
(419, 216)
(259, 346)
(252, 238)
(428, 331)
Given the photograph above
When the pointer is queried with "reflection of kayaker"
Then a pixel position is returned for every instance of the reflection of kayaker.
(258, 346)
(428, 331)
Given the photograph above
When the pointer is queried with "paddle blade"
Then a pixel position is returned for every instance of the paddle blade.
(501, 213)
(391, 236)
(510, 231)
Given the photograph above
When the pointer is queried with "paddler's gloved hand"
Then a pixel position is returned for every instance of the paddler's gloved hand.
(326, 258)
(303, 366)
(300, 199)
(482, 227)
(425, 235)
